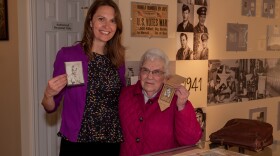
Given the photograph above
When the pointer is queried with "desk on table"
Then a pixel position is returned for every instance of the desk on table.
(272, 150)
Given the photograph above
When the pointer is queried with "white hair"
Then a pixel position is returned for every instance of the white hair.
(155, 53)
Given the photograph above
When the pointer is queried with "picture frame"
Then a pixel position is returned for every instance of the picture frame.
(273, 38)
(167, 93)
(258, 114)
(237, 37)
(4, 33)
(248, 8)
(74, 71)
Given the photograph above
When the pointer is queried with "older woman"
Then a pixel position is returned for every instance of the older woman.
(145, 127)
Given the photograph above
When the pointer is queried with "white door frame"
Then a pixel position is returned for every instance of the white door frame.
(27, 57)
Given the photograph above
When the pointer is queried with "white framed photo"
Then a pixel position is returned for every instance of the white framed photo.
(74, 71)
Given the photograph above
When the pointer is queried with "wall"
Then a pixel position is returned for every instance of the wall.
(10, 138)
(220, 13)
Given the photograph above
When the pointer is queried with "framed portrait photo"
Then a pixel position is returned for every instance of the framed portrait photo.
(4, 34)
(167, 93)
(74, 71)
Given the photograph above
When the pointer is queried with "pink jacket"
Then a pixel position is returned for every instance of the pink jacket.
(147, 129)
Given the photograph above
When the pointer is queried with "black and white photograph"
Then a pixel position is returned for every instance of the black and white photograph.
(258, 114)
(167, 93)
(185, 17)
(273, 77)
(191, 2)
(201, 2)
(184, 46)
(74, 71)
(237, 35)
(248, 8)
(201, 118)
(239, 80)
(200, 19)
(200, 46)
(268, 8)
(273, 38)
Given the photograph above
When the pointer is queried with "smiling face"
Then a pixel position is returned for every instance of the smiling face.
(103, 24)
(152, 83)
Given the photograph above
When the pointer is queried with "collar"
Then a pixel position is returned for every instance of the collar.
(139, 91)
(146, 98)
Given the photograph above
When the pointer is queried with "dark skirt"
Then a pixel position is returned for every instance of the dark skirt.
(68, 148)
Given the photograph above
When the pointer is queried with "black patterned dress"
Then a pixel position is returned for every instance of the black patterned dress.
(101, 119)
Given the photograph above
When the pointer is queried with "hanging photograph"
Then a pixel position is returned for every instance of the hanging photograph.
(258, 114)
(272, 88)
(131, 72)
(268, 9)
(201, 2)
(201, 118)
(191, 2)
(273, 38)
(149, 20)
(239, 80)
(248, 8)
(185, 14)
(237, 35)
(4, 34)
(184, 46)
(200, 19)
(200, 46)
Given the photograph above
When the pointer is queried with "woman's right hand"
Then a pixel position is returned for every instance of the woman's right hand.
(55, 85)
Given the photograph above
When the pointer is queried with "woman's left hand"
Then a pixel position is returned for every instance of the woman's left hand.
(183, 95)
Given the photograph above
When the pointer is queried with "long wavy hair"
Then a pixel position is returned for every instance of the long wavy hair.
(114, 47)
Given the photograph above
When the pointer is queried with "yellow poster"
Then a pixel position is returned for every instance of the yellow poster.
(149, 20)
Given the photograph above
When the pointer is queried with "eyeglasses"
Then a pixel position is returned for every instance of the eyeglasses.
(156, 73)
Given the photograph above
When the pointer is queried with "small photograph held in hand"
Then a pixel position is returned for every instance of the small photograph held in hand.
(74, 71)
(167, 93)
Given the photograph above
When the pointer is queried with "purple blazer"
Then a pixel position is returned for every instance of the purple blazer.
(74, 96)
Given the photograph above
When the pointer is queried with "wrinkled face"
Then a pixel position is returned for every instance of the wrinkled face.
(201, 19)
(184, 42)
(152, 76)
(185, 15)
(103, 24)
